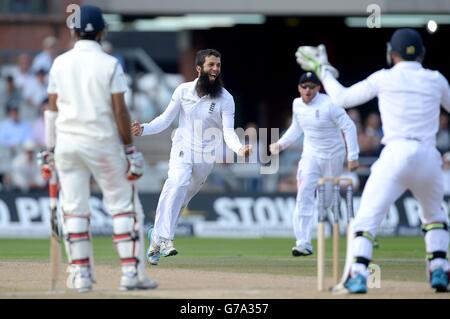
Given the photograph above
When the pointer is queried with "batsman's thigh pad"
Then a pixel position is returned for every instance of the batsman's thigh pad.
(74, 179)
(109, 168)
(76, 235)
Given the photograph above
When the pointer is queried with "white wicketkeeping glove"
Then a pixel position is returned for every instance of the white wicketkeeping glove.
(135, 163)
(315, 59)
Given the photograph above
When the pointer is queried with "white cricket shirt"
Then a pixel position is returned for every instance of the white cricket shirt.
(197, 116)
(325, 126)
(409, 99)
(84, 79)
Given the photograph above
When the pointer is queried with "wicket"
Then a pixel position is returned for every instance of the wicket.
(335, 207)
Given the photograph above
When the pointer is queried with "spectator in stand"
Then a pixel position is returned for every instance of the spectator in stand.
(143, 107)
(287, 183)
(371, 138)
(13, 130)
(287, 179)
(251, 137)
(252, 182)
(34, 93)
(109, 49)
(356, 118)
(13, 94)
(443, 134)
(25, 173)
(44, 60)
(291, 155)
(22, 73)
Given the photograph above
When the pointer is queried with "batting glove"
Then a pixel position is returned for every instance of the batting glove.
(135, 163)
(315, 59)
(46, 162)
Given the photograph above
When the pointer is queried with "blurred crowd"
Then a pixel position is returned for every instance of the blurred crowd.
(370, 135)
(23, 98)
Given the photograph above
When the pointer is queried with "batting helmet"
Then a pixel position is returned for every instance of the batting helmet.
(91, 20)
(408, 44)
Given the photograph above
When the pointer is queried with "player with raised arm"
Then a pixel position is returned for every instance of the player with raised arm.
(203, 106)
(409, 100)
(88, 127)
(327, 130)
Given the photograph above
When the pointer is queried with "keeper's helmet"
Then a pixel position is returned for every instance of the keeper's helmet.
(408, 44)
(91, 20)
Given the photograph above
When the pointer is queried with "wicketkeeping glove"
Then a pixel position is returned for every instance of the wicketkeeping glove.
(135, 163)
(315, 59)
(46, 162)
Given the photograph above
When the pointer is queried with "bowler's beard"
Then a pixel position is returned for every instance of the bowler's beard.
(206, 86)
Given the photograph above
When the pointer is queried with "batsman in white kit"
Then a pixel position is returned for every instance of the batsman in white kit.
(327, 131)
(409, 99)
(88, 127)
(204, 107)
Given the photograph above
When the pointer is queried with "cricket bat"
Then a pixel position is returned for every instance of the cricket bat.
(55, 237)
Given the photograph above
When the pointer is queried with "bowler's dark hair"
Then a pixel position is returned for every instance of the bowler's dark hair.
(202, 54)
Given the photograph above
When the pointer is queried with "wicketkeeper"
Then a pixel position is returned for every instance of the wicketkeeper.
(327, 131)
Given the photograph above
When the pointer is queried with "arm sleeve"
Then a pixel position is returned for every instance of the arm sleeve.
(164, 120)
(293, 133)
(118, 80)
(50, 129)
(445, 100)
(357, 94)
(346, 125)
(52, 87)
(229, 135)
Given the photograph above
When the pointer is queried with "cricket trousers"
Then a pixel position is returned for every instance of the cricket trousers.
(187, 174)
(403, 165)
(310, 170)
(78, 159)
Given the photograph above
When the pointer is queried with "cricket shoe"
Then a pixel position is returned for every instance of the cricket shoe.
(131, 281)
(153, 254)
(439, 280)
(167, 248)
(302, 250)
(79, 279)
(356, 284)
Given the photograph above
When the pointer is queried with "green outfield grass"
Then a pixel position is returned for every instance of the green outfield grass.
(399, 258)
